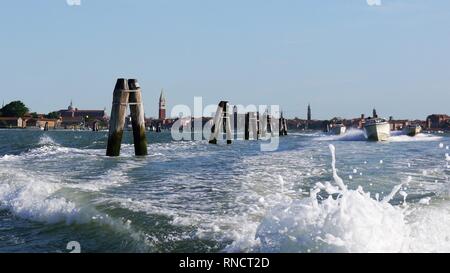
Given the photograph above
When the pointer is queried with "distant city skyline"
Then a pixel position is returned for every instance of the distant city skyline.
(342, 57)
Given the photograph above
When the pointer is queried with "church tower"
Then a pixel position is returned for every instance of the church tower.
(162, 106)
(309, 112)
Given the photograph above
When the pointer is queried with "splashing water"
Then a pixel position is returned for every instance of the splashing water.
(352, 221)
(177, 200)
(46, 140)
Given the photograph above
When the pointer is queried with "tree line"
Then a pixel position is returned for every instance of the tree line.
(19, 109)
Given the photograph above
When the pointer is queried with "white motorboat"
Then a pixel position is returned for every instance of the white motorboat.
(377, 129)
(338, 129)
(412, 129)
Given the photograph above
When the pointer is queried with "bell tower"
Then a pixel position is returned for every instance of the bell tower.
(162, 106)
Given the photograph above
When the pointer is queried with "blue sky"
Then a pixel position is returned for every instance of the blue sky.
(342, 56)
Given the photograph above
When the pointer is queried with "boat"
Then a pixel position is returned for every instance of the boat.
(377, 129)
(337, 129)
(412, 129)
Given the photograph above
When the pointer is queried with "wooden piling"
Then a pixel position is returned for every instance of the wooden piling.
(117, 120)
(258, 126)
(235, 122)
(281, 127)
(218, 123)
(95, 126)
(247, 126)
(285, 127)
(253, 118)
(137, 118)
(227, 123)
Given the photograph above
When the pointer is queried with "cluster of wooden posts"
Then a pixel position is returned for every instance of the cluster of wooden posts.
(253, 126)
(127, 93)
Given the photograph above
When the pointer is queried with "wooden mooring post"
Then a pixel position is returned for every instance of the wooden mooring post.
(222, 120)
(121, 99)
(252, 125)
(283, 127)
(137, 118)
(269, 124)
(95, 126)
(247, 127)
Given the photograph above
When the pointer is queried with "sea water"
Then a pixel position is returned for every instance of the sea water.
(316, 193)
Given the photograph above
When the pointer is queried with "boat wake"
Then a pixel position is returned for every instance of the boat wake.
(396, 136)
(400, 137)
(48, 198)
(248, 214)
(352, 221)
(350, 135)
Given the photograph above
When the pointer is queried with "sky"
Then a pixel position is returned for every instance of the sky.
(342, 56)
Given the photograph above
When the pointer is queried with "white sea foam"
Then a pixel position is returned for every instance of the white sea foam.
(9, 158)
(263, 214)
(353, 222)
(396, 136)
(419, 137)
(41, 196)
(27, 196)
(47, 140)
(350, 135)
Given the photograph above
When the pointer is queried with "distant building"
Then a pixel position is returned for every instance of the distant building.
(398, 124)
(75, 118)
(11, 122)
(42, 122)
(162, 106)
(72, 112)
(438, 121)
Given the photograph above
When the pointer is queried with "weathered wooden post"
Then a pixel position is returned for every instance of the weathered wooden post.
(253, 118)
(247, 126)
(221, 121)
(258, 126)
(95, 126)
(285, 126)
(281, 127)
(217, 123)
(117, 120)
(269, 124)
(252, 124)
(263, 125)
(137, 118)
(235, 122)
(227, 125)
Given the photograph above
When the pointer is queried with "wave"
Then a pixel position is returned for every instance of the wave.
(48, 200)
(396, 136)
(47, 140)
(350, 135)
(28, 197)
(53, 199)
(399, 137)
(353, 221)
